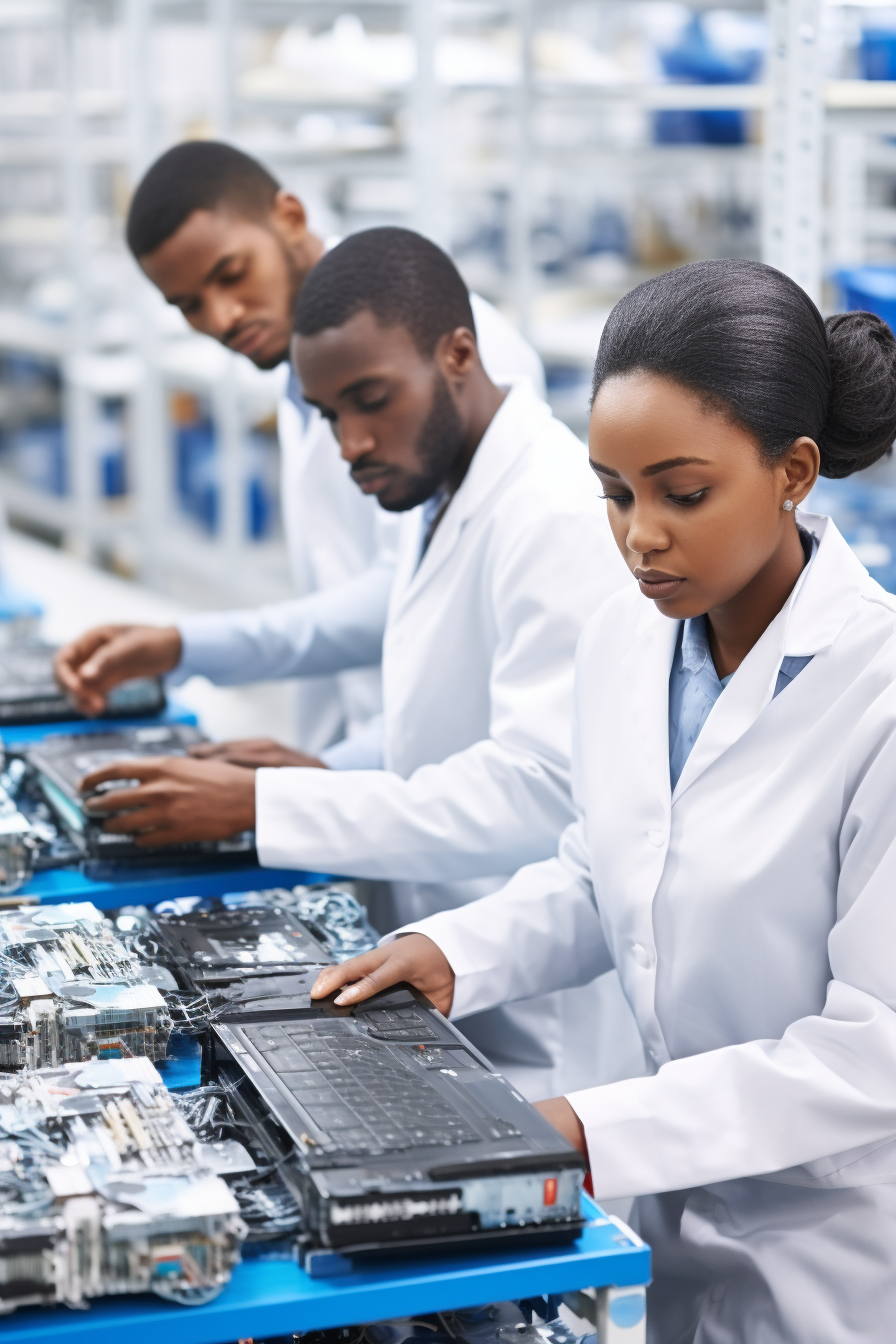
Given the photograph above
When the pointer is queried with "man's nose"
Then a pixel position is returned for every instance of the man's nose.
(355, 439)
(225, 311)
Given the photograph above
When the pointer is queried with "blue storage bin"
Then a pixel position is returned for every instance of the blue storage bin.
(877, 53)
(871, 289)
(694, 60)
(866, 515)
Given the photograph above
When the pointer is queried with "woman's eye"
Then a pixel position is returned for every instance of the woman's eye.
(617, 499)
(694, 498)
(367, 406)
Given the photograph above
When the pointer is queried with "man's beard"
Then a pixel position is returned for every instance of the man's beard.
(294, 281)
(438, 448)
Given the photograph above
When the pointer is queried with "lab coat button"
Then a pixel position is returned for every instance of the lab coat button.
(656, 837)
(644, 956)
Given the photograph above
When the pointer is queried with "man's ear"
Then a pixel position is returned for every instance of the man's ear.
(801, 468)
(288, 217)
(457, 354)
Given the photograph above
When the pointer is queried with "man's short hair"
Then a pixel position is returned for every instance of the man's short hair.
(196, 175)
(399, 276)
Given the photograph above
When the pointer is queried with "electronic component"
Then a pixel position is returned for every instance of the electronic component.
(243, 952)
(105, 1190)
(337, 914)
(403, 1135)
(62, 761)
(29, 693)
(70, 990)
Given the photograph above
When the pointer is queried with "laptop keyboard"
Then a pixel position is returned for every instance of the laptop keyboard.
(364, 1099)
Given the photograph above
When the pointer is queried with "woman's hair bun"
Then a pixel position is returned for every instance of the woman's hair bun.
(860, 425)
(746, 338)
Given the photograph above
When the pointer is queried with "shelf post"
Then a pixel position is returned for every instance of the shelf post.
(793, 143)
(425, 130)
(521, 195)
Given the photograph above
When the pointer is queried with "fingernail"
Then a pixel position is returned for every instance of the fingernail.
(345, 997)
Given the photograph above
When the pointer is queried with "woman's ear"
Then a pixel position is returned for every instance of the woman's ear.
(800, 467)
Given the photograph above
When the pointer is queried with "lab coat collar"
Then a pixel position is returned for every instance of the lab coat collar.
(518, 419)
(812, 617)
(816, 611)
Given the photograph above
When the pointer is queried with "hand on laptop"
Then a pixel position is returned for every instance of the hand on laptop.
(177, 800)
(413, 958)
(89, 667)
(254, 752)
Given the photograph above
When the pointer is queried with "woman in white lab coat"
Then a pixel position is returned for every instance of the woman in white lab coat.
(735, 856)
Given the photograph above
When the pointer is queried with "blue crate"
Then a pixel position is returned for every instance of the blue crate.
(866, 516)
(877, 53)
(870, 289)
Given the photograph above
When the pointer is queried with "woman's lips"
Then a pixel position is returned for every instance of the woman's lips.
(659, 586)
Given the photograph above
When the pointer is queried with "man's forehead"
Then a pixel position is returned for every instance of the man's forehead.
(361, 348)
(204, 238)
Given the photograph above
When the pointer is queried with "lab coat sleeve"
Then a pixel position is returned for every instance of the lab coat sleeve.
(818, 1105)
(540, 932)
(362, 751)
(325, 632)
(503, 801)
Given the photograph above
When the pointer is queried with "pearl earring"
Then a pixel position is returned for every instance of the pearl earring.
(787, 506)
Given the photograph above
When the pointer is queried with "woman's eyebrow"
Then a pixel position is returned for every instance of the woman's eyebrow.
(655, 467)
(670, 462)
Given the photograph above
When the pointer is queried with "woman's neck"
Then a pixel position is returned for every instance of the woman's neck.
(733, 628)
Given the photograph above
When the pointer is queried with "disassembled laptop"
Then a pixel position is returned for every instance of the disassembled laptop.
(352, 1132)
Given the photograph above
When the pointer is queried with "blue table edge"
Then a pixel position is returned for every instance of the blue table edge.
(275, 1297)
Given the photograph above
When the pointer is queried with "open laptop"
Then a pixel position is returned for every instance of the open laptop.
(62, 760)
(29, 693)
(403, 1135)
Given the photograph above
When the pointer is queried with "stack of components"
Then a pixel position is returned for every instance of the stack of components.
(352, 1132)
(105, 1190)
(70, 991)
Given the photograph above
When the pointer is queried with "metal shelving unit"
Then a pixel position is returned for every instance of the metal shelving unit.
(487, 141)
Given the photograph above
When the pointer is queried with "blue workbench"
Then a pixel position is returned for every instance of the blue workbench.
(275, 1297)
(142, 886)
(16, 736)
(148, 886)
(269, 1296)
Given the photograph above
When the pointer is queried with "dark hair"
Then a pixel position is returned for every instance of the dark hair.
(196, 175)
(752, 344)
(399, 276)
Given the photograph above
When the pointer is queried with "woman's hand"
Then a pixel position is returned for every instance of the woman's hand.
(558, 1112)
(413, 958)
(255, 753)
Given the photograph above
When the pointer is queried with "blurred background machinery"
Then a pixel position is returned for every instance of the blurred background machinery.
(562, 150)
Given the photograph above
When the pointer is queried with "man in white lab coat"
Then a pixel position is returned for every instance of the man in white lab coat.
(504, 553)
(226, 244)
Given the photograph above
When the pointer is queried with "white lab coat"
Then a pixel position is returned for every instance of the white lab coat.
(477, 669)
(752, 917)
(333, 531)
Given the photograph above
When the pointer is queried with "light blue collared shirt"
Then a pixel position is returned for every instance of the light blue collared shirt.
(695, 686)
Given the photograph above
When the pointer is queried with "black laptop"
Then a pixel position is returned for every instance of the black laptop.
(404, 1137)
(29, 693)
(62, 760)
